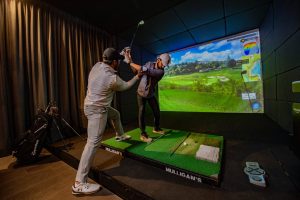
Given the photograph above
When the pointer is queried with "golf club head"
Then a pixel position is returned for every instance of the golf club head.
(141, 23)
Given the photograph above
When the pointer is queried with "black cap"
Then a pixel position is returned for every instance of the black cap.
(111, 54)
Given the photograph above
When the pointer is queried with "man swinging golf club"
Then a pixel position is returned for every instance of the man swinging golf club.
(152, 73)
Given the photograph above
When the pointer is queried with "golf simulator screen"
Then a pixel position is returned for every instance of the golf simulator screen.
(218, 76)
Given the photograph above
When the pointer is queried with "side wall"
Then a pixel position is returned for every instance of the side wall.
(280, 42)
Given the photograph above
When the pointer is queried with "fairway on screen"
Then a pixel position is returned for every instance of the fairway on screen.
(219, 76)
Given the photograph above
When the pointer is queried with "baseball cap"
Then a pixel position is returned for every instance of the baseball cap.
(165, 59)
(111, 54)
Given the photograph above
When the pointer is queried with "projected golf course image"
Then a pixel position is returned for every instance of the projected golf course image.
(221, 76)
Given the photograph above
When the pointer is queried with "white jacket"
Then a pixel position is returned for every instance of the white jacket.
(102, 84)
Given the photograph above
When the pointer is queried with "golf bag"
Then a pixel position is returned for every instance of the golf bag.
(29, 148)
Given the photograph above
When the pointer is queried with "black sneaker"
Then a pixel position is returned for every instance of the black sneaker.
(159, 131)
(145, 138)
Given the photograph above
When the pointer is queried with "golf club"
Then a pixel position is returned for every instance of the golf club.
(139, 24)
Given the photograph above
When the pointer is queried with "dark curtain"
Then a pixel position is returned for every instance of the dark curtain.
(45, 55)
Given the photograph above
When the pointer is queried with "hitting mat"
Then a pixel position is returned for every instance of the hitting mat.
(177, 152)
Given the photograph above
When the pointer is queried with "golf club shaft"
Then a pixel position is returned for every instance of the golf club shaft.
(139, 24)
(134, 35)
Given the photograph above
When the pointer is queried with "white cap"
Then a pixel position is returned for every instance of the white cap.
(165, 58)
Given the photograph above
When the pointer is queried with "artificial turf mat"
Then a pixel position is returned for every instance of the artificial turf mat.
(175, 148)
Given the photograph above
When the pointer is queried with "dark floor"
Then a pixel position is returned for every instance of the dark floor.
(148, 182)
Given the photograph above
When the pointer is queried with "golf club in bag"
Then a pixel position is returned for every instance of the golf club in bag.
(29, 147)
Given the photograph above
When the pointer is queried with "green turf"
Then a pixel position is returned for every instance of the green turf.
(169, 149)
(167, 143)
(134, 141)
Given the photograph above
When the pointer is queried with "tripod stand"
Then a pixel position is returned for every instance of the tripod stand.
(52, 110)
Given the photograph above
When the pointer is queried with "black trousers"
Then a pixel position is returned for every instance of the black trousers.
(142, 108)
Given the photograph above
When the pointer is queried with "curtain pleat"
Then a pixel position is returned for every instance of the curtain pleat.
(5, 115)
(46, 55)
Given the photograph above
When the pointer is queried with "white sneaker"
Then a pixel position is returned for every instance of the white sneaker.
(122, 138)
(145, 138)
(85, 188)
(159, 131)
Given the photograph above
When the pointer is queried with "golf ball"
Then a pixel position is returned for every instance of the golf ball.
(184, 143)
